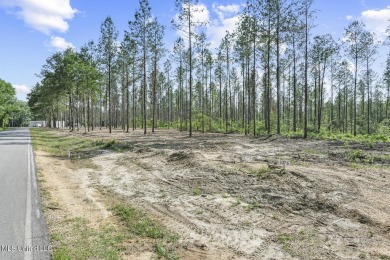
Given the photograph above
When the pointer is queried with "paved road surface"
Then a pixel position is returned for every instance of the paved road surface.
(22, 226)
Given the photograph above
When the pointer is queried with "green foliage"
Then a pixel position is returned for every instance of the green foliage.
(298, 243)
(261, 171)
(285, 240)
(196, 191)
(8, 104)
(362, 138)
(108, 144)
(79, 241)
(49, 141)
(253, 206)
(162, 252)
(384, 128)
(64, 74)
(294, 135)
(355, 155)
(20, 114)
(62, 253)
(137, 223)
(70, 80)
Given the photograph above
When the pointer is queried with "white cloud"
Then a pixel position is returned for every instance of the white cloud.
(220, 19)
(42, 15)
(349, 17)
(60, 43)
(202, 14)
(377, 21)
(224, 10)
(21, 89)
(227, 19)
(217, 30)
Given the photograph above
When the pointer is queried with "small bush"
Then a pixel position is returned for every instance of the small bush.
(196, 191)
(355, 155)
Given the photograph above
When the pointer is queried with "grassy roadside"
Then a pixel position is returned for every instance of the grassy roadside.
(79, 239)
(50, 141)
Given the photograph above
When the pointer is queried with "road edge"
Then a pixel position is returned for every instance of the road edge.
(36, 235)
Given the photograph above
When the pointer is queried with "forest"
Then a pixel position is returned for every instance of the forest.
(269, 76)
(158, 160)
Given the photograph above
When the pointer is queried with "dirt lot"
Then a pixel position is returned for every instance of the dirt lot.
(218, 194)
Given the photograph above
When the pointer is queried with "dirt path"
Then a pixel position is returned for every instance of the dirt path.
(71, 194)
(218, 195)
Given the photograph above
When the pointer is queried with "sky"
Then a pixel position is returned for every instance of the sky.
(32, 30)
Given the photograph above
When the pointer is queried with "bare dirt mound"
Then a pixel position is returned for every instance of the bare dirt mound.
(218, 194)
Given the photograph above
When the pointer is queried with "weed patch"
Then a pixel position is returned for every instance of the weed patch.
(303, 244)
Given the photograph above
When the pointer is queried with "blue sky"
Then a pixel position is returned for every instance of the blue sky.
(31, 30)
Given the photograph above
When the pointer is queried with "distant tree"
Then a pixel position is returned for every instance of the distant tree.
(323, 48)
(7, 102)
(178, 51)
(225, 48)
(369, 49)
(129, 45)
(201, 46)
(108, 54)
(387, 84)
(343, 78)
(209, 99)
(140, 30)
(353, 37)
(157, 48)
(187, 23)
(307, 16)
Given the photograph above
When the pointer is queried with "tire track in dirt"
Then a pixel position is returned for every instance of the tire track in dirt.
(318, 207)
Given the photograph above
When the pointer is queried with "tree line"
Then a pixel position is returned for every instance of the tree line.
(13, 112)
(267, 76)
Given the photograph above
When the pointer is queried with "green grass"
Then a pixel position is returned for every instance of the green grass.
(285, 240)
(262, 171)
(78, 241)
(162, 252)
(62, 253)
(137, 223)
(197, 191)
(382, 256)
(355, 155)
(253, 206)
(360, 156)
(50, 141)
(297, 243)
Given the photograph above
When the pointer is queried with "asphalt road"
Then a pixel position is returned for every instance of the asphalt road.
(22, 226)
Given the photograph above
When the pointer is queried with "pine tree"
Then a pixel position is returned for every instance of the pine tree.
(186, 22)
(353, 37)
(108, 55)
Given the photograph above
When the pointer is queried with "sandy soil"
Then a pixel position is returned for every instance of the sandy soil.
(216, 193)
(71, 195)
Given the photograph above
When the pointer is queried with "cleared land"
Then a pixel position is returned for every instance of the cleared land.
(218, 196)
